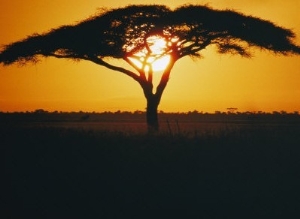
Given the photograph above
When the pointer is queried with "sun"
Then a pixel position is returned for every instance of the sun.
(161, 63)
(157, 45)
(154, 55)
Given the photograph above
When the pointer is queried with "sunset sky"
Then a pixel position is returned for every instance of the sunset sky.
(266, 82)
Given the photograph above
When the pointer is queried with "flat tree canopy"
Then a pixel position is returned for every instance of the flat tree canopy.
(120, 32)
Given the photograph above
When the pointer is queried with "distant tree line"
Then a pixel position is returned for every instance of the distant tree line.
(194, 112)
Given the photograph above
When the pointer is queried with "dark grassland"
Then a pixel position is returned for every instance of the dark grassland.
(104, 166)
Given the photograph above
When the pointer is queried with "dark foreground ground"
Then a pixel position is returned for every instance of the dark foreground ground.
(64, 171)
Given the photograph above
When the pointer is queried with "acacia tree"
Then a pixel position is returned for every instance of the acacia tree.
(131, 33)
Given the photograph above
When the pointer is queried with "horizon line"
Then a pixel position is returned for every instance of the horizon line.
(228, 111)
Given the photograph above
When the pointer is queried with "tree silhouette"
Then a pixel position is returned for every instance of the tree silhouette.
(130, 33)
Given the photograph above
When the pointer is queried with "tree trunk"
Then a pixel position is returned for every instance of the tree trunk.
(153, 99)
(151, 113)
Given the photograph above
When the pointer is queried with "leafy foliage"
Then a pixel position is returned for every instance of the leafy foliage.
(118, 33)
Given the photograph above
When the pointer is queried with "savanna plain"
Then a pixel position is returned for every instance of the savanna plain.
(106, 165)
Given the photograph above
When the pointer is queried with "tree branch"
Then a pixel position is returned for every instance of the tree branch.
(164, 79)
(99, 61)
(116, 68)
(192, 49)
(140, 71)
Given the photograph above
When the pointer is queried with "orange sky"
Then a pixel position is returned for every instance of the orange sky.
(265, 82)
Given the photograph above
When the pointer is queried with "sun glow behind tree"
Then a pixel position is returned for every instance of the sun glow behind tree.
(155, 54)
